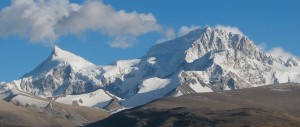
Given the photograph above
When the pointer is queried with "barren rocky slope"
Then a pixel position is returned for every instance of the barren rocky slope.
(267, 106)
(51, 116)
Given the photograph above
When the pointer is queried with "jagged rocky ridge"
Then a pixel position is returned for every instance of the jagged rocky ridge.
(204, 60)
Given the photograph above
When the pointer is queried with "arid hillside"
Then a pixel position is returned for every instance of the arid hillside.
(267, 106)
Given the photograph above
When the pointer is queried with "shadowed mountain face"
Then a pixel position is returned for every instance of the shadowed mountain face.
(272, 105)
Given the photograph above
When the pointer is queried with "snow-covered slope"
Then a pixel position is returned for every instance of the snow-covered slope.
(23, 99)
(55, 76)
(213, 59)
(204, 60)
(61, 57)
(97, 99)
(149, 90)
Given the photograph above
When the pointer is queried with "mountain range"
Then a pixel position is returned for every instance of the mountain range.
(204, 60)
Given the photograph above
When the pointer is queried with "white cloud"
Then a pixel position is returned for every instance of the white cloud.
(47, 20)
(262, 46)
(280, 52)
(186, 29)
(33, 19)
(122, 42)
(168, 34)
(231, 29)
(95, 15)
(183, 30)
(161, 40)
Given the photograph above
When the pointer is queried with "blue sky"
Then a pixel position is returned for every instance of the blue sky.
(268, 23)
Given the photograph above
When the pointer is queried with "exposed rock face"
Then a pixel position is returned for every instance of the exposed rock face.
(204, 60)
(23, 109)
(113, 105)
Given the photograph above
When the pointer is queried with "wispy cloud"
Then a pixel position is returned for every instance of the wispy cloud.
(262, 46)
(183, 30)
(186, 29)
(122, 41)
(47, 20)
(168, 34)
(228, 28)
(280, 52)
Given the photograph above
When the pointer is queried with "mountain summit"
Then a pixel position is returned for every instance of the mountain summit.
(60, 58)
(199, 42)
(54, 76)
(77, 62)
(204, 60)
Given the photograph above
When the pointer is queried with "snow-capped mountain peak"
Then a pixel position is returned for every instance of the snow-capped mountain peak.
(204, 60)
(56, 50)
(60, 58)
(56, 75)
(75, 61)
